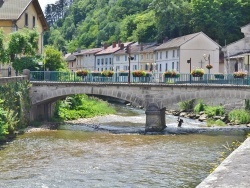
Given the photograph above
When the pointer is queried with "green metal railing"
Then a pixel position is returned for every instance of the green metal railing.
(54, 76)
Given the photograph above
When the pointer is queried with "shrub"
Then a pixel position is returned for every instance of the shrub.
(239, 74)
(82, 72)
(214, 111)
(187, 105)
(199, 107)
(197, 72)
(239, 116)
(218, 122)
(107, 73)
(139, 73)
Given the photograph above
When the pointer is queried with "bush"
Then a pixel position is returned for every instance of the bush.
(218, 122)
(199, 107)
(239, 116)
(214, 111)
(187, 105)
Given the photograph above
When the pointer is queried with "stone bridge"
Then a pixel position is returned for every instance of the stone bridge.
(155, 98)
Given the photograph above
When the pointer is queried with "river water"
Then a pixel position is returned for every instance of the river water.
(83, 156)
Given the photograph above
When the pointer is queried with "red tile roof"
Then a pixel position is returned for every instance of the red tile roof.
(111, 50)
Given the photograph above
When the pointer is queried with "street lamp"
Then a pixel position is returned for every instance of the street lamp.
(207, 58)
(42, 64)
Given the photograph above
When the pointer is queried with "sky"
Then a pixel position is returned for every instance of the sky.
(43, 3)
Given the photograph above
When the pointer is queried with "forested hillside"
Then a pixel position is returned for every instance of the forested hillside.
(90, 23)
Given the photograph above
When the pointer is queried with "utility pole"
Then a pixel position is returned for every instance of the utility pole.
(190, 76)
(127, 51)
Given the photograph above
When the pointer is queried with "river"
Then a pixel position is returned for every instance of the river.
(83, 156)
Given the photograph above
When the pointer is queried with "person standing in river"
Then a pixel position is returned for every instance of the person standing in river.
(180, 121)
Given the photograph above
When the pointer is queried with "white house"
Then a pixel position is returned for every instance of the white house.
(85, 59)
(105, 58)
(237, 54)
(174, 54)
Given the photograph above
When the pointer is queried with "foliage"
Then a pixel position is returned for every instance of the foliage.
(171, 73)
(217, 122)
(82, 106)
(3, 52)
(187, 105)
(209, 66)
(197, 72)
(82, 72)
(247, 104)
(239, 116)
(199, 107)
(107, 73)
(239, 74)
(54, 59)
(86, 24)
(139, 73)
(26, 62)
(214, 111)
(14, 107)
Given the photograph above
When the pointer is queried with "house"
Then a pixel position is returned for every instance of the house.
(237, 54)
(121, 58)
(70, 58)
(19, 14)
(85, 59)
(197, 47)
(105, 58)
(147, 57)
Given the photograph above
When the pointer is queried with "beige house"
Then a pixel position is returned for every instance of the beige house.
(19, 14)
(71, 62)
(174, 54)
(237, 54)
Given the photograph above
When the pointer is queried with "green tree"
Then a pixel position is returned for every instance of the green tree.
(54, 59)
(3, 53)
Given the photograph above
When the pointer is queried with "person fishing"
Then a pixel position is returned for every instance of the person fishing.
(180, 121)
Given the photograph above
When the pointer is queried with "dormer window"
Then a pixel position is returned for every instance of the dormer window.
(26, 19)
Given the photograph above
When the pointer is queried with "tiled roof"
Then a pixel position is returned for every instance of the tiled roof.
(176, 42)
(13, 9)
(111, 50)
(88, 51)
(138, 48)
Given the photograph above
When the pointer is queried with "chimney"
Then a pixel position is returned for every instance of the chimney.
(105, 46)
(113, 44)
(141, 47)
(165, 39)
(121, 46)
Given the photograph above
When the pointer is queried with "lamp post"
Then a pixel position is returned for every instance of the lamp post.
(189, 62)
(127, 51)
(42, 63)
(207, 58)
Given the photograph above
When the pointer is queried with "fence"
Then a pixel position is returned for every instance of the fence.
(53, 76)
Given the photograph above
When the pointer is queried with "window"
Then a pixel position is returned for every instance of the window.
(160, 68)
(134, 67)
(141, 57)
(172, 65)
(118, 58)
(166, 67)
(126, 58)
(106, 61)
(160, 55)
(26, 19)
(98, 69)
(166, 54)
(98, 61)
(102, 61)
(178, 52)
(173, 53)
(177, 66)
(134, 57)
(72, 64)
(34, 21)
(110, 60)
(157, 55)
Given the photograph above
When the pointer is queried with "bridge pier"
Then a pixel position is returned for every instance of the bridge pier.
(41, 112)
(155, 119)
